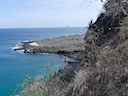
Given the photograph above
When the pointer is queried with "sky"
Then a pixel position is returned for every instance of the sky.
(48, 13)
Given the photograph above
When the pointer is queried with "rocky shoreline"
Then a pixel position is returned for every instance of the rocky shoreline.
(70, 46)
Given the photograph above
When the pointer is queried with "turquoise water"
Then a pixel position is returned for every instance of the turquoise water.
(15, 66)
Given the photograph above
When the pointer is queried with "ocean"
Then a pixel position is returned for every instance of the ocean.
(16, 66)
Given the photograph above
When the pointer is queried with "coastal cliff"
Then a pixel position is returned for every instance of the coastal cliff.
(103, 65)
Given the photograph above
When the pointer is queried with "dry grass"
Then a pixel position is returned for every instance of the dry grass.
(108, 78)
(44, 87)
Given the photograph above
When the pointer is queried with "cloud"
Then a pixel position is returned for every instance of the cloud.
(50, 13)
(62, 4)
(55, 4)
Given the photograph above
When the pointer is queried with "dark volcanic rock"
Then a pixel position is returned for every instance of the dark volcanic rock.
(63, 52)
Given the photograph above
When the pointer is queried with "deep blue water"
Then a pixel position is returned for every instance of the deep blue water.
(14, 66)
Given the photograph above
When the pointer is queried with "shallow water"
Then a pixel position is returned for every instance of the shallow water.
(15, 66)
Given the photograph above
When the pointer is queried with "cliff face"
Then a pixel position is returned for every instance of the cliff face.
(106, 55)
(104, 70)
(110, 28)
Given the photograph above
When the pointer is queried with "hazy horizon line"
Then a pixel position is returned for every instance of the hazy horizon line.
(45, 27)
